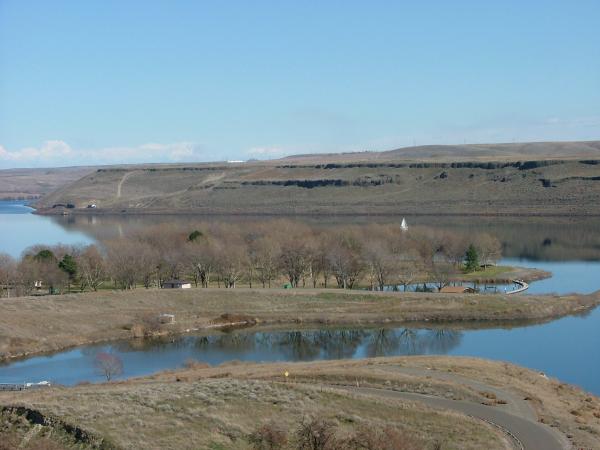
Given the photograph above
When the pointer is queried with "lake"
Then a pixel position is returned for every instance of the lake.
(20, 229)
(568, 349)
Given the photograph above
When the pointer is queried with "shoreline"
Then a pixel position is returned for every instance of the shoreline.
(26, 328)
(48, 211)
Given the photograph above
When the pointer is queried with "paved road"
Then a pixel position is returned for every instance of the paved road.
(514, 402)
(532, 435)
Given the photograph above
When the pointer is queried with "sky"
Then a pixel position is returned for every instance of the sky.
(103, 82)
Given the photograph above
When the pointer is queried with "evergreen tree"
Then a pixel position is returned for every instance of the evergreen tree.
(471, 259)
(69, 266)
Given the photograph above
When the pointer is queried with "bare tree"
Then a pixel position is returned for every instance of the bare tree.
(294, 260)
(231, 263)
(345, 259)
(8, 273)
(124, 263)
(92, 268)
(108, 365)
(441, 273)
(382, 263)
(489, 249)
(407, 273)
(266, 260)
(453, 248)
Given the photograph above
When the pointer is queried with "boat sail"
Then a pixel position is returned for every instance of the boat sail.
(403, 225)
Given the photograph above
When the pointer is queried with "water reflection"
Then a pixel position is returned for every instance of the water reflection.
(533, 238)
(306, 345)
(143, 357)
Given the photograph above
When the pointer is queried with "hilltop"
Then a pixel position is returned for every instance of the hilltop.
(517, 179)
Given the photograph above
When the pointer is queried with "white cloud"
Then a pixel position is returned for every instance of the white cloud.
(268, 152)
(58, 153)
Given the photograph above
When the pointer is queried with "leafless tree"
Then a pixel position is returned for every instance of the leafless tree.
(345, 258)
(108, 365)
(294, 257)
(454, 247)
(92, 268)
(489, 248)
(266, 260)
(382, 263)
(8, 273)
(125, 263)
(441, 273)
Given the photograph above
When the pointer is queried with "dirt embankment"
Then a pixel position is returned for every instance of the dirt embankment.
(42, 324)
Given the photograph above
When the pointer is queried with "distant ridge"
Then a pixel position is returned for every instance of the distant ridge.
(557, 178)
(467, 152)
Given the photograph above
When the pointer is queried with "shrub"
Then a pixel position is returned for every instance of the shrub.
(371, 438)
(268, 437)
(316, 434)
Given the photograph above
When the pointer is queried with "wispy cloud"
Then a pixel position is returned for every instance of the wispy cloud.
(267, 152)
(59, 153)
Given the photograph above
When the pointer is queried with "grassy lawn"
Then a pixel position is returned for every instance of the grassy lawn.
(488, 273)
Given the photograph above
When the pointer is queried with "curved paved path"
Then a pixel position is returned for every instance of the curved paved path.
(532, 435)
(514, 402)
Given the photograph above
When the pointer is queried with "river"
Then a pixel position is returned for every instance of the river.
(568, 349)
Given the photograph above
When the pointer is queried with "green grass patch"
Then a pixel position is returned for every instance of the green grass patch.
(488, 273)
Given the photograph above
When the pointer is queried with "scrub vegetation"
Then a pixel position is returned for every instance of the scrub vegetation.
(250, 406)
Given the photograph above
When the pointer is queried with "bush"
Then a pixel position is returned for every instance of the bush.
(268, 437)
(316, 434)
(370, 438)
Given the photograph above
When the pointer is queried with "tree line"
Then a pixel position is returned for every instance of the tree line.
(263, 254)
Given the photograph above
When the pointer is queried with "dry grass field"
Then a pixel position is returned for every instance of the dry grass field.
(217, 408)
(41, 324)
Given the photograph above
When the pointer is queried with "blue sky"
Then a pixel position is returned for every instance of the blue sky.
(93, 82)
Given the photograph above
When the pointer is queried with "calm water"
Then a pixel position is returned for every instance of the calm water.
(568, 349)
(20, 229)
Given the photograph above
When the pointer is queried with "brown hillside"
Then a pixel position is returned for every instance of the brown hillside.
(565, 181)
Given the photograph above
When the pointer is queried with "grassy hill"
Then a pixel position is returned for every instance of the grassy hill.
(16, 184)
(518, 179)
(468, 152)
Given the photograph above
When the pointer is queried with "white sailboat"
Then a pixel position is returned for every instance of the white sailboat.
(403, 225)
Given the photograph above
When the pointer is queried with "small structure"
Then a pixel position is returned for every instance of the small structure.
(457, 290)
(176, 284)
(403, 225)
(38, 284)
(92, 206)
(166, 318)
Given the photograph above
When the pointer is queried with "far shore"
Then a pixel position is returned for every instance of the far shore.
(35, 325)
(216, 212)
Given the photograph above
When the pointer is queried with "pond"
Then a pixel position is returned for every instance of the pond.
(566, 348)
